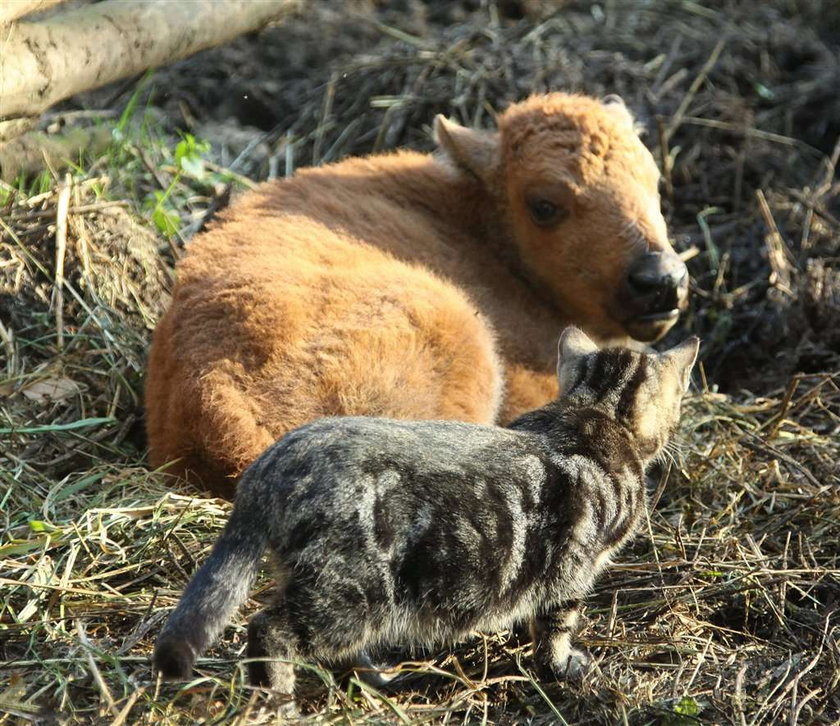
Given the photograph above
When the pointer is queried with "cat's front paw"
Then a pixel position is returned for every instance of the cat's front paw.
(573, 666)
(377, 675)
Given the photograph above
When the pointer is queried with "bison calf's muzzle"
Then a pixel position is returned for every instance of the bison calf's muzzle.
(654, 293)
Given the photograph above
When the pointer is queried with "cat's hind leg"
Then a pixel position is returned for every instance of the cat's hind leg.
(552, 635)
(273, 645)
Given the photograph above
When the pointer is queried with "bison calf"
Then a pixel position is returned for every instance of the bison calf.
(409, 285)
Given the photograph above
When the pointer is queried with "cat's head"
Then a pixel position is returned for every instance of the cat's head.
(642, 391)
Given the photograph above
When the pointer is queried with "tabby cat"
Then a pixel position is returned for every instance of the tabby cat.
(418, 532)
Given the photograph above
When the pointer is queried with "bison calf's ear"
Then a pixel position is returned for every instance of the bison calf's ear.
(476, 152)
(613, 99)
(615, 104)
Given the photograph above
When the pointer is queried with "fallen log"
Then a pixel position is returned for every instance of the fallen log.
(46, 61)
(13, 9)
(28, 154)
(15, 127)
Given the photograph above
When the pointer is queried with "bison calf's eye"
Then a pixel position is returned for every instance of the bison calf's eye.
(546, 213)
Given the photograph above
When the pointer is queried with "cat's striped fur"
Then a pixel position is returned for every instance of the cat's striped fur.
(397, 532)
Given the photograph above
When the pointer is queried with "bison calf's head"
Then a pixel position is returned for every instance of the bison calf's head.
(579, 202)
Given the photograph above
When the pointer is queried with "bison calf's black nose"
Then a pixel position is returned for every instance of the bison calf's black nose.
(660, 276)
(654, 291)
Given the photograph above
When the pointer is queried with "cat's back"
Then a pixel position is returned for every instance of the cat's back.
(408, 506)
(367, 444)
(339, 458)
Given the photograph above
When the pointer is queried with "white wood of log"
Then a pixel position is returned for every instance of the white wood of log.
(11, 9)
(46, 61)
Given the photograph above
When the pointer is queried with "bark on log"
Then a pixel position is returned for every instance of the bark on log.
(35, 151)
(11, 9)
(15, 127)
(46, 61)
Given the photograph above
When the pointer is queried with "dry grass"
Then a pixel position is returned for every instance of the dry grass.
(725, 608)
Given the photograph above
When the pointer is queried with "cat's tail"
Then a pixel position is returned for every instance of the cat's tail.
(219, 587)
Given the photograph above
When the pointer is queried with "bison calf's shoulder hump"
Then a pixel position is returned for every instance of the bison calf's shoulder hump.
(409, 285)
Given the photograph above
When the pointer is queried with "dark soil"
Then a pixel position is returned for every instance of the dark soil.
(723, 610)
(740, 97)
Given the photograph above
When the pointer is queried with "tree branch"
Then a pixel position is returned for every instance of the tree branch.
(46, 61)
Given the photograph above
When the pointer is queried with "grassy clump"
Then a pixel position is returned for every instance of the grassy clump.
(722, 611)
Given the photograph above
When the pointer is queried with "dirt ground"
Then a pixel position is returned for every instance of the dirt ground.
(725, 608)
(740, 98)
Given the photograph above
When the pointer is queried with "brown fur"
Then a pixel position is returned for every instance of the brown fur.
(403, 285)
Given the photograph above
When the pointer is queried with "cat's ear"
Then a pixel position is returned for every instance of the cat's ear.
(471, 150)
(682, 357)
(573, 345)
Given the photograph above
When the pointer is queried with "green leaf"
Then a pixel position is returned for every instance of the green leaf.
(165, 220)
(764, 92)
(188, 155)
(39, 526)
(687, 706)
(80, 424)
(193, 166)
